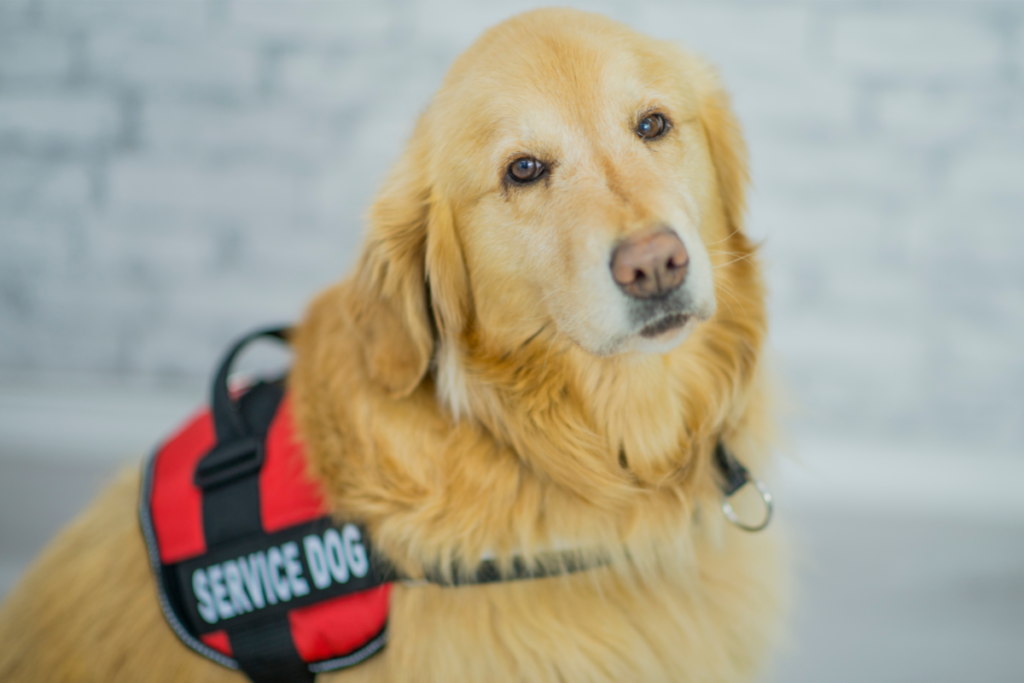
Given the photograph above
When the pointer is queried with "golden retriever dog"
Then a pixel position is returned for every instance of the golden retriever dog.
(555, 318)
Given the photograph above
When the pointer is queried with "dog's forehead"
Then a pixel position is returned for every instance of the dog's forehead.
(545, 89)
(568, 81)
(582, 98)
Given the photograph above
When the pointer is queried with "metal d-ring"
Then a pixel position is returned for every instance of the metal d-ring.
(769, 508)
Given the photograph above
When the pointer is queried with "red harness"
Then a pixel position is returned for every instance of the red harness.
(252, 572)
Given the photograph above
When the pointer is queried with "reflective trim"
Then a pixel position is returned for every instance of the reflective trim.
(363, 653)
(154, 561)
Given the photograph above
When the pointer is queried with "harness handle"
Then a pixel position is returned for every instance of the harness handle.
(238, 452)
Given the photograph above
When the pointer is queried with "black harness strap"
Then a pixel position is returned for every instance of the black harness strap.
(231, 496)
(266, 653)
(229, 478)
(732, 475)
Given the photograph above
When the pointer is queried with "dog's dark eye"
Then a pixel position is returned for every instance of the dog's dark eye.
(651, 127)
(525, 170)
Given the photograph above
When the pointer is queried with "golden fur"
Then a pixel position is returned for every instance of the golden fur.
(447, 399)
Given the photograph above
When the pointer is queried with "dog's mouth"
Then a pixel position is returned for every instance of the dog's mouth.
(662, 325)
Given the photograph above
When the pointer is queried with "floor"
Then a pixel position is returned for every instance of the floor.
(892, 599)
(886, 594)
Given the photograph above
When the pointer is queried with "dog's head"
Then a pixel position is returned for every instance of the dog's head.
(570, 176)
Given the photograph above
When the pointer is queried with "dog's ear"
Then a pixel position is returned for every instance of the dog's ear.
(446, 272)
(390, 303)
(728, 150)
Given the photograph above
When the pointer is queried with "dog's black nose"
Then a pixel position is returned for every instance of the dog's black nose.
(651, 264)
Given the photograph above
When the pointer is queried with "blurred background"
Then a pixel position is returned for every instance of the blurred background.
(175, 173)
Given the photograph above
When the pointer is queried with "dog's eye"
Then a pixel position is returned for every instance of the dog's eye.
(525, 170)
(651, 127)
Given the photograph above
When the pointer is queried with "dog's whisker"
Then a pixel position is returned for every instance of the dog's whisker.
(727, 291)
(727, 237)
(729, 263)
(508, 354)
(534, 335)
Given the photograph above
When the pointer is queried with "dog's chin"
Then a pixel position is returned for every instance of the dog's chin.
(658, 337)
(664, 325)
(665, 333)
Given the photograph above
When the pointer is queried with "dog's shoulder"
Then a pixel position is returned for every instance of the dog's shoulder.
(87, 609)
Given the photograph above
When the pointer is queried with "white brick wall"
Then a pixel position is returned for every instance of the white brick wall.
(941, 42)
(183, 66)
(57, 119)
(172, 173)
(34, 56)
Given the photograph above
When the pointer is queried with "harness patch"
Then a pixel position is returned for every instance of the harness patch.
(303, 565)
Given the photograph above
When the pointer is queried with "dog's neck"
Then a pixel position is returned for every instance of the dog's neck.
(639, 416)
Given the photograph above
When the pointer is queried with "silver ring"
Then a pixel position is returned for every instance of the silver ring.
(769, 508)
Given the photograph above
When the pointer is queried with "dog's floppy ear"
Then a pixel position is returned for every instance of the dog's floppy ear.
(728, 151)
(411, 283)
(446, 272)
(390, 303)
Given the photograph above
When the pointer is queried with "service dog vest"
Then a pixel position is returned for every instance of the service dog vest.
(251, 569)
